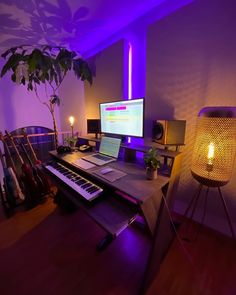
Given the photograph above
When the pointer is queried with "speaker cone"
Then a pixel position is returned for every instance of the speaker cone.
(157, 131)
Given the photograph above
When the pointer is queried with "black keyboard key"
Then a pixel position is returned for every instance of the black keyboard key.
(71, 176)
(66, 173)
(93, 190)
(85, 185)
(76, 179)
(61, 170)
(88, 189)
(80, 182)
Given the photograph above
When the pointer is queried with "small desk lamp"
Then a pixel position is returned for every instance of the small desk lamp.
(72, 120)
(213, 154)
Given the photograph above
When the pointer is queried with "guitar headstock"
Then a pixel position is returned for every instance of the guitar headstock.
(8, 135)
(1, 136)
(23, 132)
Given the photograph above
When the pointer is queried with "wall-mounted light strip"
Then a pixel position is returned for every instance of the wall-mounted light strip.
(129, 78)
(130, 72)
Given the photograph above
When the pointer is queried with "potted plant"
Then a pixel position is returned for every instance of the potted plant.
(44, 65)
(152, 163)
(71, 141)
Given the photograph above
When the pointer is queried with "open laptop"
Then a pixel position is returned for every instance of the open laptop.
(108, 151)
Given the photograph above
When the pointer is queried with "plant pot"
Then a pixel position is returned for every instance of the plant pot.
(151, 173)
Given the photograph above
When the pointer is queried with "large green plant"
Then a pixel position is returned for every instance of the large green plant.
(48, 65)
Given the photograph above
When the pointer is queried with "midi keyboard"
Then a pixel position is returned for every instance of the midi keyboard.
(81, 185)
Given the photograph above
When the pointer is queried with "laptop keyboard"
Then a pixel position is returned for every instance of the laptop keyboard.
(101, 157)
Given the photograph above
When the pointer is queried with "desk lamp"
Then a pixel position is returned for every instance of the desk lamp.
(213, 154)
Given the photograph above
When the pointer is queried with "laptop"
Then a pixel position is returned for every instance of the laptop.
(108, 151)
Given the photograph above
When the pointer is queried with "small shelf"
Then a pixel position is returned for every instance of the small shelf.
(110, 212)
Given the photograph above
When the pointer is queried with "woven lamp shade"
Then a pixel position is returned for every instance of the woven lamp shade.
(214, 150)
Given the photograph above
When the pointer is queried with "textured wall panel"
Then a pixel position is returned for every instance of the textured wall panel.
(191, 63)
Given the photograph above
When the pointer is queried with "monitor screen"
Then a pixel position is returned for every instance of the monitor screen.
(93, 126)
(110, 146)
(125, 117)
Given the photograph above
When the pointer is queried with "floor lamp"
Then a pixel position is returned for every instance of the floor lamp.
(213, 155)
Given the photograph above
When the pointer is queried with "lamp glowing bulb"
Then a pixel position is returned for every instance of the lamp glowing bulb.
(210, 156)
(71, 120)
(211, 152)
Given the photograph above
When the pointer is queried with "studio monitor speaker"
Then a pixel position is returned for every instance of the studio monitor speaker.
(169, 131)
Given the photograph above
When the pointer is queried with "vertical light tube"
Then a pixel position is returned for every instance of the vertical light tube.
(129, 78)
(130, 73)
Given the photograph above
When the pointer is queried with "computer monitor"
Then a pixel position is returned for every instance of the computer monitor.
(124, 117)
(93, 126)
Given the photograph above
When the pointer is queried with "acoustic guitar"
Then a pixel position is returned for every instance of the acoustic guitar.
(15, 178)
(10, 191)
(6, 206)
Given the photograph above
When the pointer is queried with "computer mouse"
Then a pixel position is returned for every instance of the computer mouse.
(106, 170)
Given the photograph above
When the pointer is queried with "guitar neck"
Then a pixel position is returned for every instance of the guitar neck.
(31, 147)
(2, 160)
(7, 151)
(9, 136)
(26, 154)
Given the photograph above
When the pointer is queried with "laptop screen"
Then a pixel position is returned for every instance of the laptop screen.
(110, 146)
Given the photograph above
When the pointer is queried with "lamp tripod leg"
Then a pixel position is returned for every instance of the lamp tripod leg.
(196, 196)
(227, 213)
(204, 212)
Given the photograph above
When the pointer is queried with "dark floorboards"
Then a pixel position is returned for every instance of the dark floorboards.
(43, 251)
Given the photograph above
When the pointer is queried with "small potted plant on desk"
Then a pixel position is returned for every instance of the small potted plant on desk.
(152, 163)
(71, 141)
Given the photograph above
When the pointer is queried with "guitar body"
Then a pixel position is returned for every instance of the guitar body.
(12, 188)
(40, 176)
(39, 181)
(6, 206)
(31, 190)
(16, 185)
(11, 193)
(32, 193)
(46, 185)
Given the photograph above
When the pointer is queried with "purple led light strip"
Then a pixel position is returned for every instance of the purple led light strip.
(130, 78)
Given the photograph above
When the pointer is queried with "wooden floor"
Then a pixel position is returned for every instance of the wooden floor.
(202, 264)
(43, 251)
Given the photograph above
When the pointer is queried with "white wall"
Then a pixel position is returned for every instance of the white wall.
(108, 82)
(20, 108)
(72, 103)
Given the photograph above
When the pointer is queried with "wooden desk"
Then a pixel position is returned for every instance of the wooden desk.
(134, 186)
(141, 196)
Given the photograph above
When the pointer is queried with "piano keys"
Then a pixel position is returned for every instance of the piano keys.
(81, 185)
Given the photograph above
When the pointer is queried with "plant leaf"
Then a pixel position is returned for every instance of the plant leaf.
(12, 63)
(11, 50)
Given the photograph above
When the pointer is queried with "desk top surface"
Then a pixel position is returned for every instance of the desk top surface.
(134, 183)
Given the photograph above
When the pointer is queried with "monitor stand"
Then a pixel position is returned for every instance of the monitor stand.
(124, 140)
